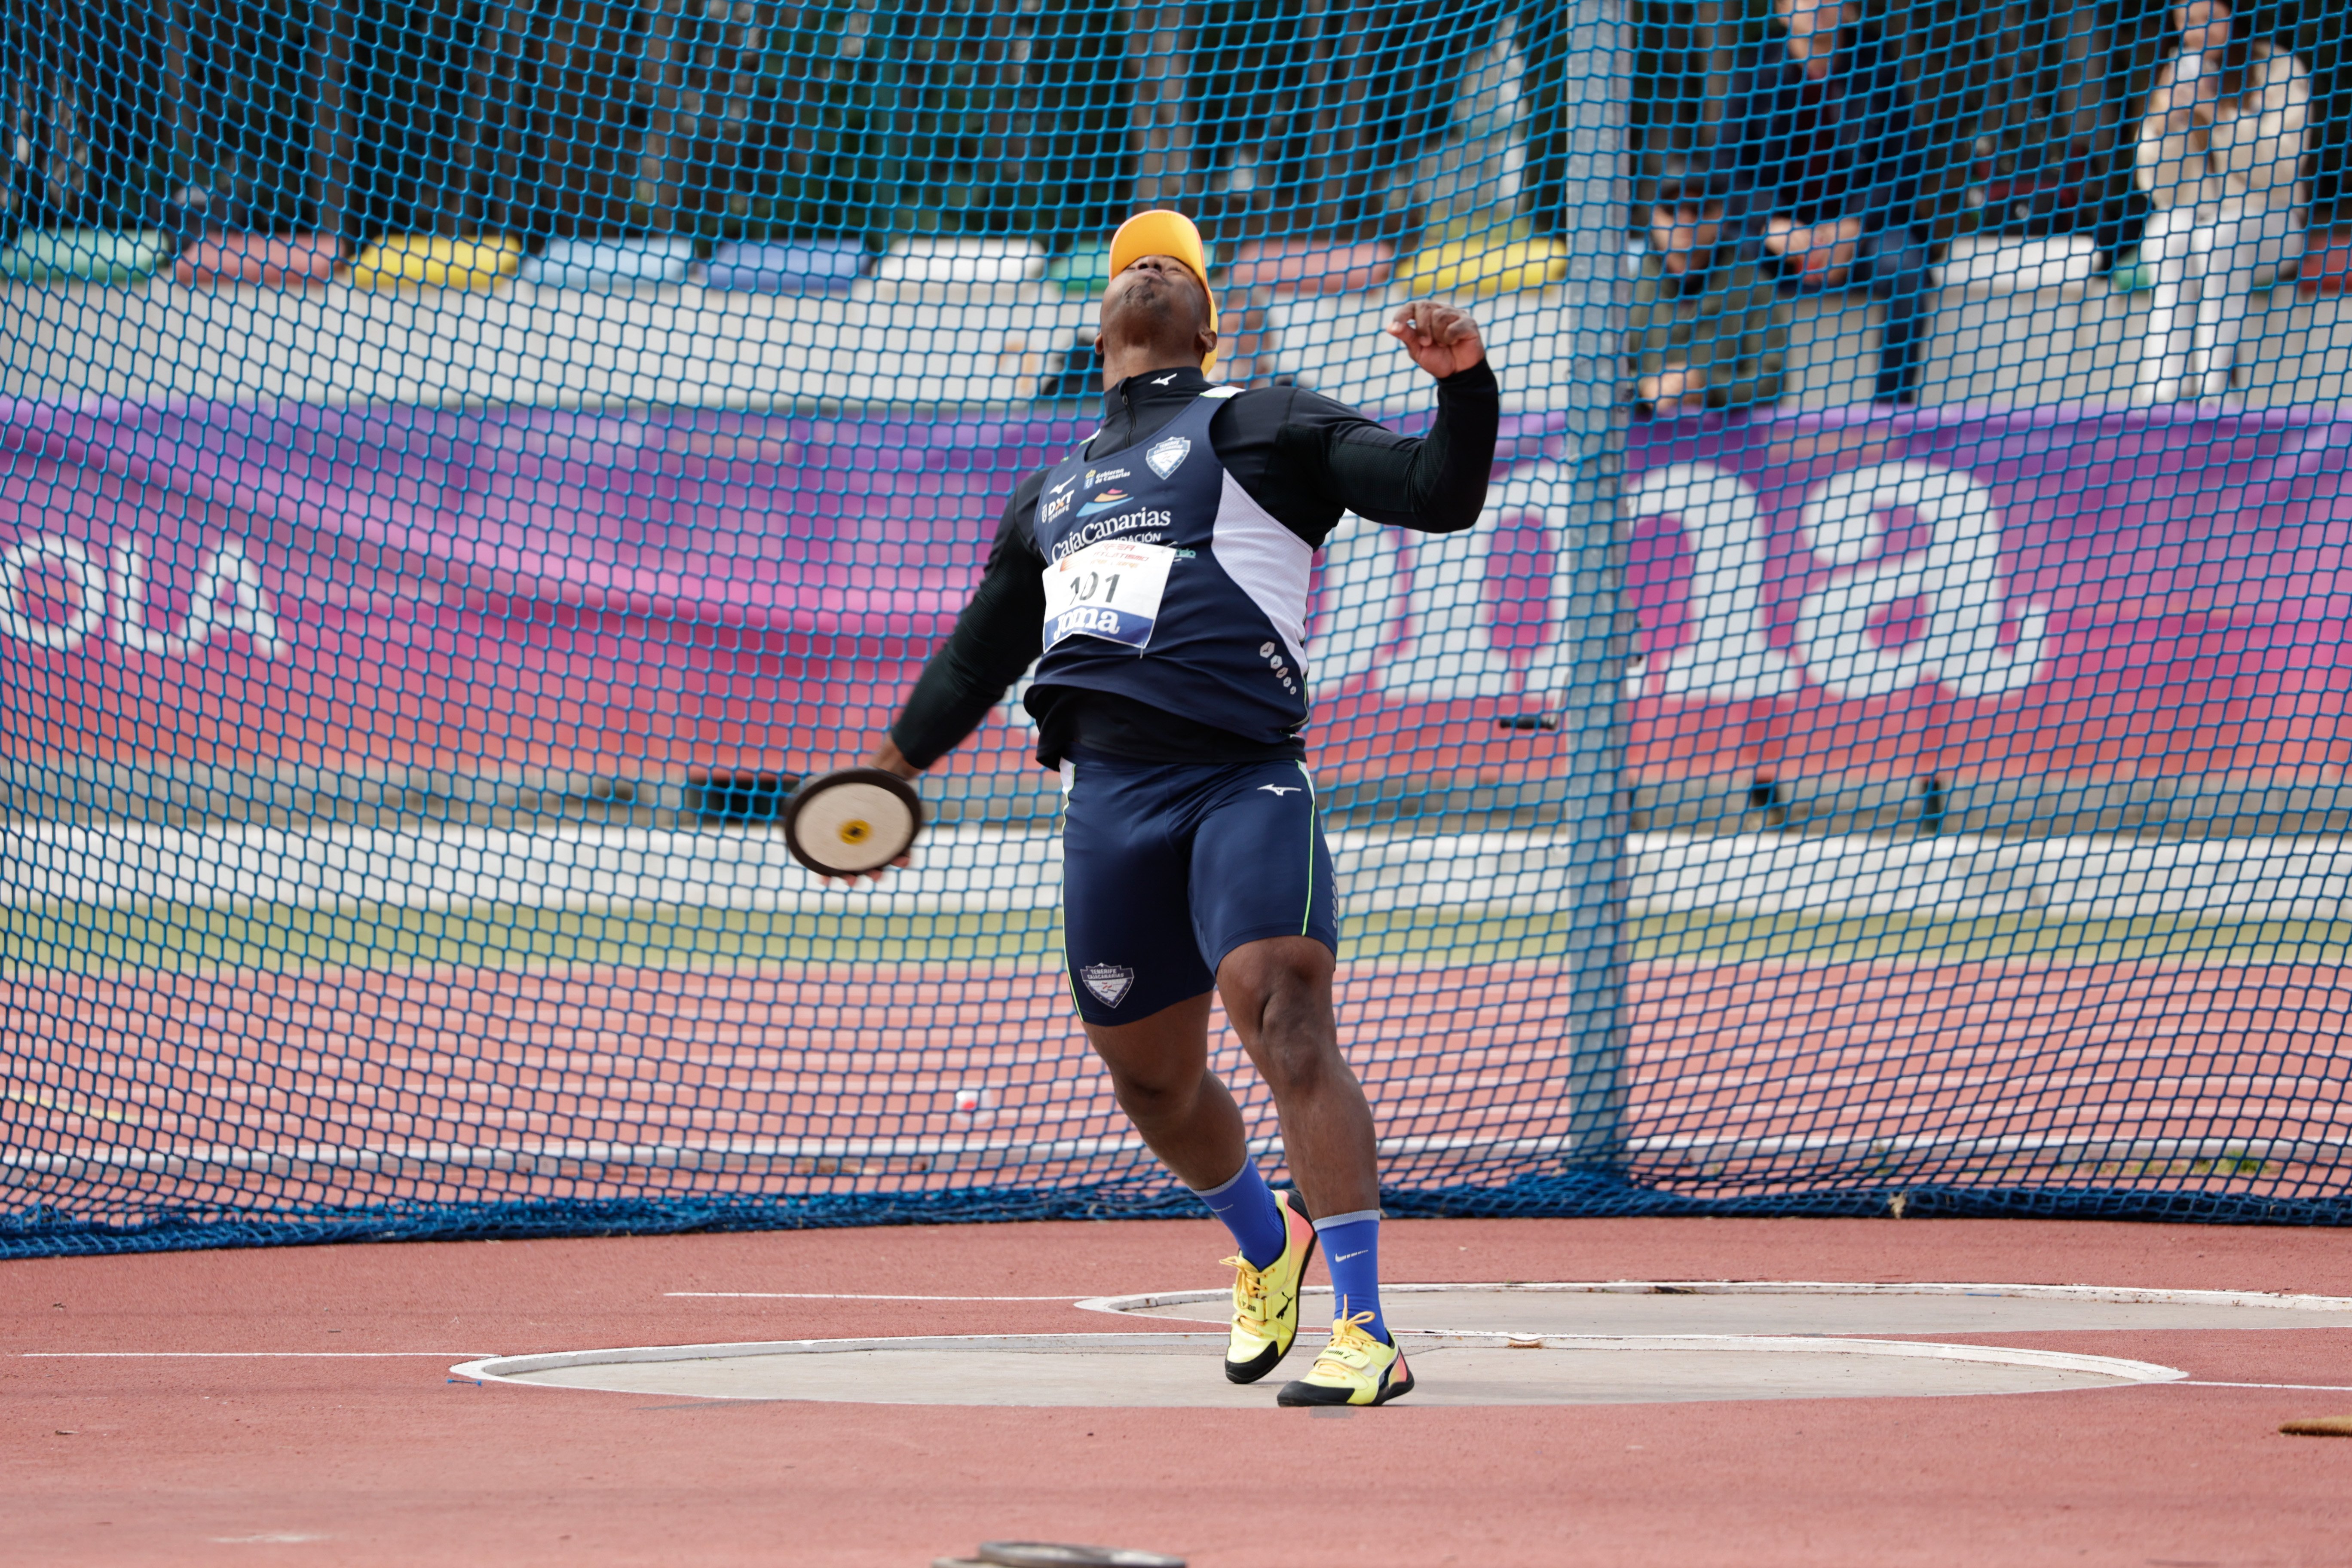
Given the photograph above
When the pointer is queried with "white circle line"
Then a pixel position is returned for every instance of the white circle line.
(2121, 1295)
(846, 1296)
(239, 1355)
(510, 1368)
(2122, 1372)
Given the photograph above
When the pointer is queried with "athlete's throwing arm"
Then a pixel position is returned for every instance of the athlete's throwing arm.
(1158, 578)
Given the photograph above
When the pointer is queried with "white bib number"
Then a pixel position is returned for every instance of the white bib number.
(1110, 590)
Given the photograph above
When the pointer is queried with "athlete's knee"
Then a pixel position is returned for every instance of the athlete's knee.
(1159, 1073)
(1158, 1096)
(1277, 976)
(1300, 1063)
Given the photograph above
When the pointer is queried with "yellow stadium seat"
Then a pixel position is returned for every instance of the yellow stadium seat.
(435, 262)
(1482, 266)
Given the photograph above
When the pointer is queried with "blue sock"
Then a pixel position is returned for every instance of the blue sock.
(1246, 1205)
(1351, 1249)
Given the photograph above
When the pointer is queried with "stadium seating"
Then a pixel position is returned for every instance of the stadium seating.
(278, 260)
(2128, 276)
(1081, 271)
(1301, 266)
(2327, 268)
(609, 266)
(434, 261)
(87, 256)
(827, 266)
(1985, 265)
(963, 259)
(1485, 265)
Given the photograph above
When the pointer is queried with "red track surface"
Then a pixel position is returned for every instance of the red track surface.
(327, 1460)
(1826, 1052)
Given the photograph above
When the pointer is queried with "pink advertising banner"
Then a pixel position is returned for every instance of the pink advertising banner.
(2076, 591)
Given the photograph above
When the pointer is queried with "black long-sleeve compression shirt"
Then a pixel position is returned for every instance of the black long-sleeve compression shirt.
(1304, 457)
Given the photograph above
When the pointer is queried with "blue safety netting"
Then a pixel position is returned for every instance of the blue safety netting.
(1883, 751)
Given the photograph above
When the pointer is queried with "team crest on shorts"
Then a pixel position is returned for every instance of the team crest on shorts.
(1169, 455)
(1111, 982)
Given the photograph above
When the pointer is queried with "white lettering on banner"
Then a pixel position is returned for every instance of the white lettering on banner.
(1360, 583)
(229, 596)
(128, 584)
(1957, 580)
(1411, 612)
(1726, 656)
(86, 592)
(1448, 650)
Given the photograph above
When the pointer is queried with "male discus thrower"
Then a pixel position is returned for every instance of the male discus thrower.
(1158, 576)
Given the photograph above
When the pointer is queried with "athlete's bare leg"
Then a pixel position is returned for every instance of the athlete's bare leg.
(1278, 995)
(1159, 1069)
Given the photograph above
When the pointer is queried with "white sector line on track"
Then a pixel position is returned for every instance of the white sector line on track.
(467, 1356)
(844, 1295)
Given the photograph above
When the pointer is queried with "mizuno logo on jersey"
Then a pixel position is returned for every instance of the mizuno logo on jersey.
(1278, 791)
(1162, 380)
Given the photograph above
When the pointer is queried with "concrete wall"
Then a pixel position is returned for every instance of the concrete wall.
(993, 343)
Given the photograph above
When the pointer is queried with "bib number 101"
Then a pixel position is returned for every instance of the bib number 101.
(1110, 590)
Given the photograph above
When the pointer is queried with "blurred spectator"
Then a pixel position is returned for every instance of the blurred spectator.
(1708, 328)
(1823, 165)
(2220, 157)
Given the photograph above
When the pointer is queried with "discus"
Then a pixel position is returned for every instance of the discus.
(848, 823)
(1045, 1555)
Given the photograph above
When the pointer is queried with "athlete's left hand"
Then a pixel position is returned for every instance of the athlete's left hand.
(890, 760)
(1441, 339)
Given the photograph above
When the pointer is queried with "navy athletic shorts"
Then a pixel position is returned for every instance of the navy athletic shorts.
(1169, 867)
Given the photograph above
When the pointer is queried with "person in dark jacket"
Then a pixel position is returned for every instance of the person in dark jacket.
(1158, 578)
(1709, 331)
(1821, 165)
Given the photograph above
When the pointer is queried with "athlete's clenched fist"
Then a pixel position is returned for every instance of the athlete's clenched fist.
(1441, 339)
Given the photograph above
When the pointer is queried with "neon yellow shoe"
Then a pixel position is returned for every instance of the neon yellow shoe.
(1354, 1369)
(1265, 1301)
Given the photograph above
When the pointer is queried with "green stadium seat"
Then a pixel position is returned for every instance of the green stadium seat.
(1083, 270)
(87, 256)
